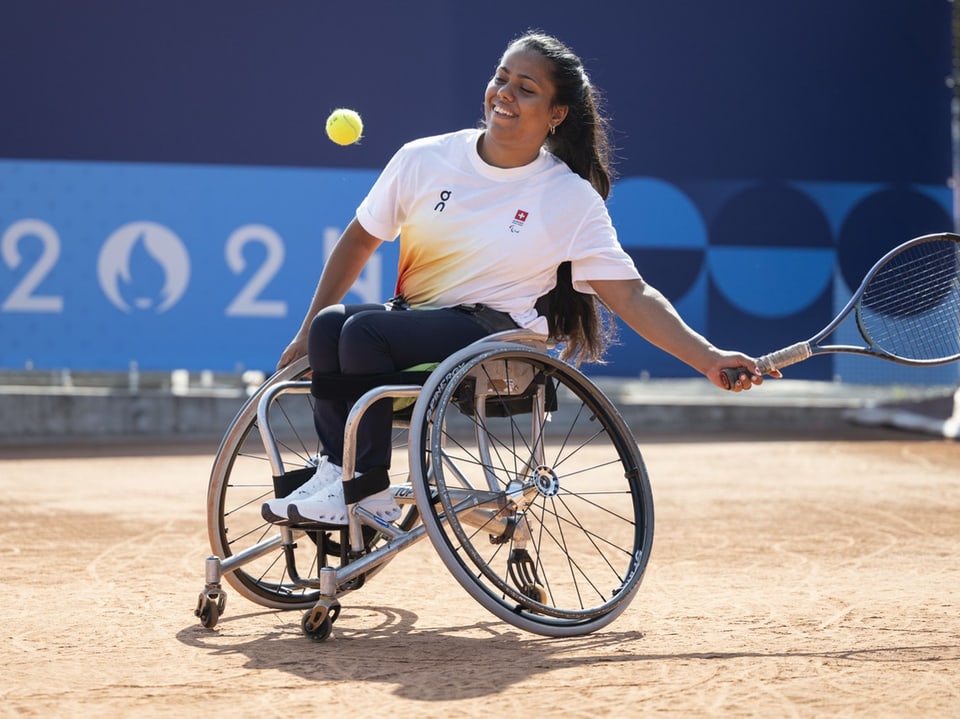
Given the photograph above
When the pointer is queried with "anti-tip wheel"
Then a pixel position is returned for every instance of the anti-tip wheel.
(536, 593)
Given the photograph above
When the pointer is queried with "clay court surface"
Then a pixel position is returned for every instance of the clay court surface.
(804, 578)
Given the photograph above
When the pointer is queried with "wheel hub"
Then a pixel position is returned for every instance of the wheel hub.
(546, 481)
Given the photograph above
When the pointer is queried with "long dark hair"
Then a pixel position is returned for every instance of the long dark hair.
(580, 321)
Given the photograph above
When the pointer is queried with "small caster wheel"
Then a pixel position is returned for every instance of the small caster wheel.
(209, 612)
(210, 607)
(317, 631)
(318, 622)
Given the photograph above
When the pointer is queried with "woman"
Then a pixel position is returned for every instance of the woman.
(490, 220)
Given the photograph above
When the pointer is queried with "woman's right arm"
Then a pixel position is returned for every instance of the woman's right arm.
(343, 267)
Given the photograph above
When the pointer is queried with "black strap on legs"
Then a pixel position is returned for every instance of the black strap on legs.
(368, 483)
(284, 484)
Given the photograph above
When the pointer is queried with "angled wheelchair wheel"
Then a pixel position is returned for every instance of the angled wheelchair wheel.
(241, 480)
(532, 489)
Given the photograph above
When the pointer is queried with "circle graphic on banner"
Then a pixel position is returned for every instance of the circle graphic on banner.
(882, 221)
(772, 252)
(662, 230)
(143, 266)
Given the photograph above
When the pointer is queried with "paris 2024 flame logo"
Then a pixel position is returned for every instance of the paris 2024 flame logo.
(143, 266)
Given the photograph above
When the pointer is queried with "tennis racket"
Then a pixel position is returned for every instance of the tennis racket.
(907, 310)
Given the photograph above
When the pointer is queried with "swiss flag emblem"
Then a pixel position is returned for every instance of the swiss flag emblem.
(521, 216)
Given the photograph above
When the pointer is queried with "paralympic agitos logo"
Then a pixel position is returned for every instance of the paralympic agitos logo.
(143, 266)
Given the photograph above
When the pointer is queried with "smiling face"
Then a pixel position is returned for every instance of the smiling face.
(519, 108)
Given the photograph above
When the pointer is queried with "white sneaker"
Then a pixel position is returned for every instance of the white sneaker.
(327, 473)
(326, 506)
(382, 505)
(329, 507)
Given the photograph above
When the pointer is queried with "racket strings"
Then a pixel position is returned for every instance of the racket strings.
(911, 306)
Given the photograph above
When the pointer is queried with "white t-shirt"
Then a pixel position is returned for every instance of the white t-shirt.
(473, 233)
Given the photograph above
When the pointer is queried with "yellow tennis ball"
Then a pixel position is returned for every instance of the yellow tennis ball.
(344, 126)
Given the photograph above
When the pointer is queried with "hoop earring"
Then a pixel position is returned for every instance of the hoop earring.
(553, 129)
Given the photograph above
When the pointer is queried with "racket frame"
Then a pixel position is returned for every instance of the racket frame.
(809, 348)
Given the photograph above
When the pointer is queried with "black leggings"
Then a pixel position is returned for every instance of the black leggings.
(374, 339)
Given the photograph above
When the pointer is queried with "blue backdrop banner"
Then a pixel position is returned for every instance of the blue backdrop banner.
(212, 267)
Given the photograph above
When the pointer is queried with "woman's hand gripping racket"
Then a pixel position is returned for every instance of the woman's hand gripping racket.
(907, 310)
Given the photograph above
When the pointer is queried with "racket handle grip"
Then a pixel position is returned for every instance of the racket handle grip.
(766, 364)
(784, 358)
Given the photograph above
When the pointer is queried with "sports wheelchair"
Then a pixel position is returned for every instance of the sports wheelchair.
(522, 474)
